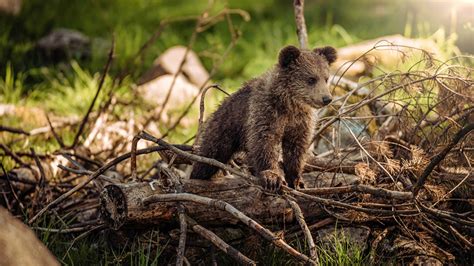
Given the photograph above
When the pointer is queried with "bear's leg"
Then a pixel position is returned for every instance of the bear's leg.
(205, 171)
(217, 145)
(263, 140)
(294, 145)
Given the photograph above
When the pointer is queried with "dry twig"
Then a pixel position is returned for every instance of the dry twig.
(99, 88)
(219, 243)
(313, 252)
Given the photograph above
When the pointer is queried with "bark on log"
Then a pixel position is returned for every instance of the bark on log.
(122, 203)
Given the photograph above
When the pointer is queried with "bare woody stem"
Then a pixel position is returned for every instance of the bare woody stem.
(183, 226)
(300, 23)
(219, 243)
(13, 130)
(313, 252)
(99, 88)
(201, 109)
(375, 191)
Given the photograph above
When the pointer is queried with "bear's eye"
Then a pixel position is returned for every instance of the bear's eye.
(326, 80)
(312, 81)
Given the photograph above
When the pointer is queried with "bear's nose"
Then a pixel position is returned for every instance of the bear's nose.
(326, 100)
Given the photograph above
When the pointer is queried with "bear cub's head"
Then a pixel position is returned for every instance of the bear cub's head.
(306, 73)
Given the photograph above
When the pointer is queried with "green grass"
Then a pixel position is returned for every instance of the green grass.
(147, 249)
(91, 248)
(336, 250)
(341, 251)
(96, 250)
(11, 86)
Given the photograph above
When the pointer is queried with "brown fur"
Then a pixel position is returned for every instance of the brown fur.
(271, 114)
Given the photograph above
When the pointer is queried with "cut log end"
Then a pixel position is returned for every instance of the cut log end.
(114, 204)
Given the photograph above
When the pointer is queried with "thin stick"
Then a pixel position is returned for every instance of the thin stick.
(346, 205)
(183, 226)
(12, 154)
(219, 243)
(300, 23)
(461, 237)
(14, 130)
(445, 215)
(81, 157)
(46, 129)
(11, 187)
(313, 252)
(191, 42)
(40, 168)
(133, 158)
(222, 205)
(82, 172)
(68, 230)
(175, 76)
(376, 191)
(56, 136)
(99, 88)
(201, 108)
(41, 183)
(316, 226)
(19, 179)
(440, 156)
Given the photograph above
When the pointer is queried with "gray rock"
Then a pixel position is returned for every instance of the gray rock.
(12, 7)
(169, 63)
(342, 135)
(64, 44)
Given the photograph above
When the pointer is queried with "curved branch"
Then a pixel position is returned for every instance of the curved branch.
(221, 205)
(440, 156)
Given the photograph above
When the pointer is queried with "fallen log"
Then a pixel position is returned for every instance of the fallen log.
(121, 204)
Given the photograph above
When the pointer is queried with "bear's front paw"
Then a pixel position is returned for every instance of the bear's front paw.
(272, 181)
(297, 184)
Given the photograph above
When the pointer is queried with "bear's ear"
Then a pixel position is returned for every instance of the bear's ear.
(288, 55)
(328, 52)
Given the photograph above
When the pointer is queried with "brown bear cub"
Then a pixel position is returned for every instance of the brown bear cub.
(271, 114)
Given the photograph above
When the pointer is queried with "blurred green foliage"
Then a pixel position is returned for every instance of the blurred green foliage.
(272, 25)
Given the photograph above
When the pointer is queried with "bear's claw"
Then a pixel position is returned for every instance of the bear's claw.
(272, 181)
